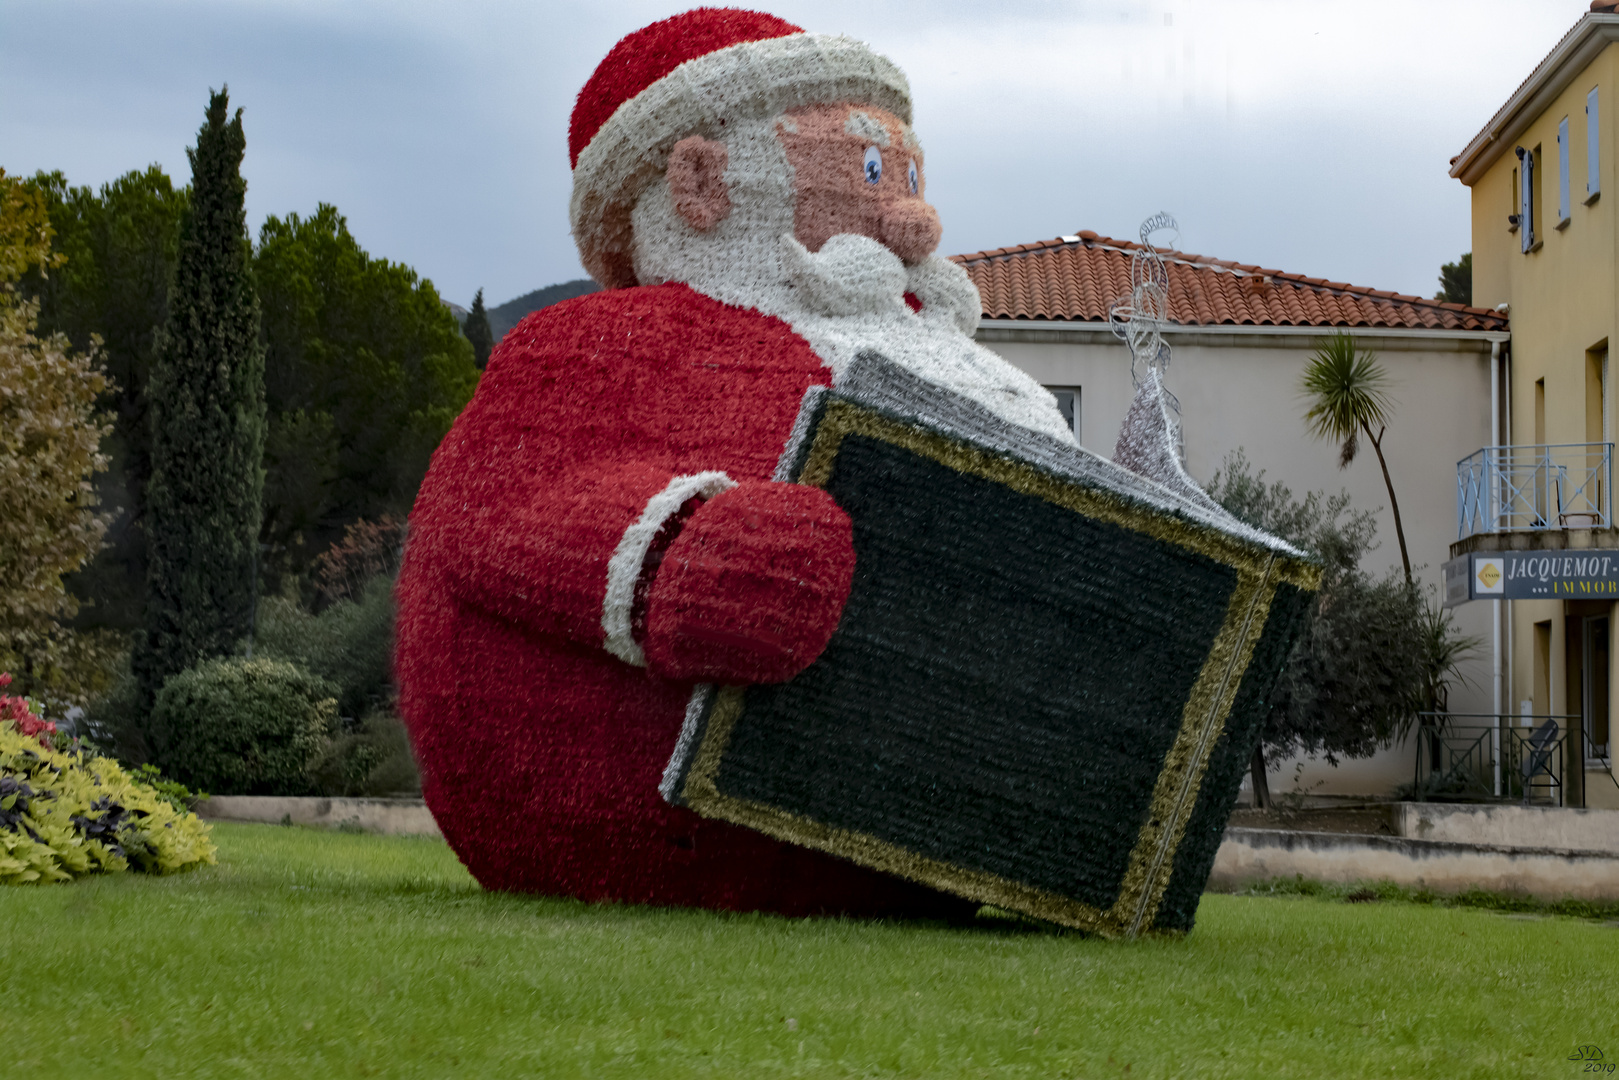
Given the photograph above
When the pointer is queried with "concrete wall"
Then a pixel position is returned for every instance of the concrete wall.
(401, 817)
(1249, 855)
(1240, 389)
(1511, 826)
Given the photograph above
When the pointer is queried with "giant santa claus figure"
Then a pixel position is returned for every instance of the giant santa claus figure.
(599, 531)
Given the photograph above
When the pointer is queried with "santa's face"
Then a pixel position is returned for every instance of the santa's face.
(857, 169)
(813, 217)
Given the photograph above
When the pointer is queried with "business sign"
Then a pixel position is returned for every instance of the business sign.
(1532, 575)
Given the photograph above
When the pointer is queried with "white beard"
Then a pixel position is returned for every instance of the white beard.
(843, 300)
(850, 298)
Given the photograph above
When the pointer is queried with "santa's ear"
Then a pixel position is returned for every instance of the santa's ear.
(697, 181)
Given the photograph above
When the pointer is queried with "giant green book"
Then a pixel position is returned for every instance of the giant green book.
(1046, 685)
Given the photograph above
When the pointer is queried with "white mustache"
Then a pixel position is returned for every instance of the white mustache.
(850, 275)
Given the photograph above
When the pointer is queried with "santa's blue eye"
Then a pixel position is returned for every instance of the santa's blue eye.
(913, 177)
(874, 165)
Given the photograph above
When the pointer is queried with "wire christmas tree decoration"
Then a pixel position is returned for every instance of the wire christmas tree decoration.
(1138, 320)
(1151, 441)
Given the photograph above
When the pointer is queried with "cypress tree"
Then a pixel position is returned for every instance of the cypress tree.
(207, 424)
(478, 332)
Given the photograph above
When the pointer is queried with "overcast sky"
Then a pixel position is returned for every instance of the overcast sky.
(1302, 135)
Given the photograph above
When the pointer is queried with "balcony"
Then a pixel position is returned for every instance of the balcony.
(1534, 489)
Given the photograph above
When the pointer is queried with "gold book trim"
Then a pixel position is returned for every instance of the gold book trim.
(842, 417)
(702, 795)
(1202, 719)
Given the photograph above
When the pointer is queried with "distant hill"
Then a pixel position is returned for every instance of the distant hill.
(509, 314)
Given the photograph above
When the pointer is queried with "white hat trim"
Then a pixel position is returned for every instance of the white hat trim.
(751, 80)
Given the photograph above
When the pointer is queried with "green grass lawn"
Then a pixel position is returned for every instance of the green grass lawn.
(310, 954)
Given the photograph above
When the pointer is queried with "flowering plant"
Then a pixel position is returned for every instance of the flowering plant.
(66, 811)
(20, 712)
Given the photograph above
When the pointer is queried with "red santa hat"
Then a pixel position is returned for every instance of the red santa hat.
(690, 75)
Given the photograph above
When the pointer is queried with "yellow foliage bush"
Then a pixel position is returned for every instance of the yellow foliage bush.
(64, 814)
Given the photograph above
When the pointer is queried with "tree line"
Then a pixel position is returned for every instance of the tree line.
(260, 400)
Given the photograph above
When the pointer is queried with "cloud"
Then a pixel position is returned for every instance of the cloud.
(1310, 136)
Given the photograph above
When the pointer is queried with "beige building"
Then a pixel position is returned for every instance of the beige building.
(1241, 338)
(1536, 541)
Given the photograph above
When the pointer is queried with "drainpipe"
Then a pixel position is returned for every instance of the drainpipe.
(1506, 437)
(1509, 607)
(1495, 392)
(1495, 613)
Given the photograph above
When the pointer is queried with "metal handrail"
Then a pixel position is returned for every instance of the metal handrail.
(1543, 486)
(1498, 761)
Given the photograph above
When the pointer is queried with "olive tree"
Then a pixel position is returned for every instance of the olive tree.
(50, 448)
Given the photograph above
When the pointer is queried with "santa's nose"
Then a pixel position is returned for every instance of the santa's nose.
(910, 229)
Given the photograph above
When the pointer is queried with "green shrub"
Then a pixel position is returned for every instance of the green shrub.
(65, 813)
(350, 643)
(178, 795)
(373, 759)
(114, 720)
(244, 727)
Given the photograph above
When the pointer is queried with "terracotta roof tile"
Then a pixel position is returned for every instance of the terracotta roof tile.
(1076, 278)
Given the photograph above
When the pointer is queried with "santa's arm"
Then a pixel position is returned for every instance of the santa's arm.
(752, 587)
(694, 575)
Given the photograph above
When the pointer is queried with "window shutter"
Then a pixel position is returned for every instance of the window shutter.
(1562, 172)
(1526, 188)
(1593, 147)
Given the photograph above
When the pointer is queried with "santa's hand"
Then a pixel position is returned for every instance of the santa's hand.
(752, 587)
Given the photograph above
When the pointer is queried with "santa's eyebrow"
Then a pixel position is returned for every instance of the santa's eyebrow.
(867, 127)
(912, 143)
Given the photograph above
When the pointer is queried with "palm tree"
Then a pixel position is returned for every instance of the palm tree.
(1346, 388)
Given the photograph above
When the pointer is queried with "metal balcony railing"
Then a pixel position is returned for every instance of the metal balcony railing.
(1520, 488)
(1471, 757)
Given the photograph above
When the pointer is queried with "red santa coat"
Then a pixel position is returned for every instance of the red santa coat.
(540, 750)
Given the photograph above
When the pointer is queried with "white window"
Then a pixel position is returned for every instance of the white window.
(1593, 149)
(1562, 173)
(1068, 404)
